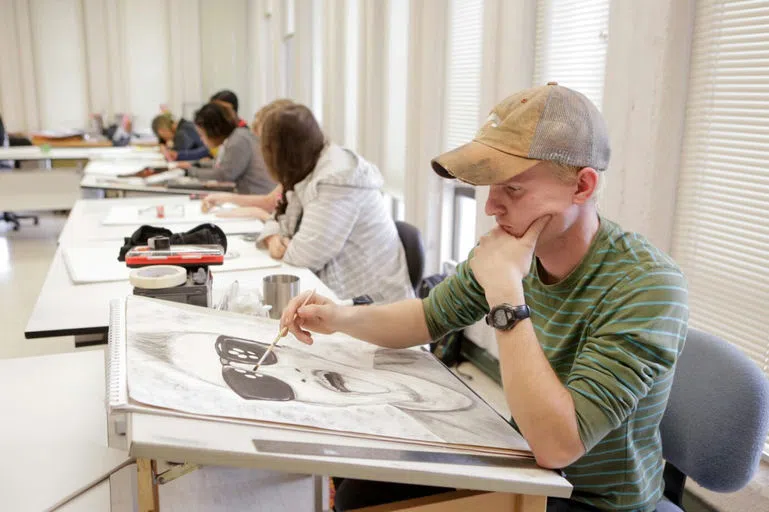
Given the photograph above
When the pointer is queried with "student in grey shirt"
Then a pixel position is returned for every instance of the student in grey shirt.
(239, 158)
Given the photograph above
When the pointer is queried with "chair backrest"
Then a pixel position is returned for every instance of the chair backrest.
(717, 417)
(415, 251)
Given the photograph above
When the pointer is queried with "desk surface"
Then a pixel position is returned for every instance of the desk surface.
(54, 430)
(39, 190)
(77, 153)
(90, 181)
(72, 142)
(211, 442)
(67, 309)
(85, 220)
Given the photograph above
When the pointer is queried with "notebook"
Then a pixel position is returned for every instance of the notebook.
(174, 359)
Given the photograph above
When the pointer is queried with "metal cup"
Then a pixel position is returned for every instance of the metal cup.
(278, 290)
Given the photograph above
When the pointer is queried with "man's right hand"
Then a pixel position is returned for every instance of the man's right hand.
(212, 200)
(320, 314)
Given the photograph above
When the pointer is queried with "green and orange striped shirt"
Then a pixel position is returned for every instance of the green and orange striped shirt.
(612, 331)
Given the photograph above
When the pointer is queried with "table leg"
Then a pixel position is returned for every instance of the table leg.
(321, 492)
(147, 487)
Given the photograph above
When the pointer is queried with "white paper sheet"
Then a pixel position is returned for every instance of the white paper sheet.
(173, 213)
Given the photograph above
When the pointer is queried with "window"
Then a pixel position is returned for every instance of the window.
(721, 235)
(465, 48)
(463, 99)
(571, 45)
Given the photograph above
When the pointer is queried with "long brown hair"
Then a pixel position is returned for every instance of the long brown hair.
(258, 123)
(291, 144)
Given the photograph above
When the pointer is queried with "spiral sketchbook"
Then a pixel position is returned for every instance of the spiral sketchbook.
(173, 359)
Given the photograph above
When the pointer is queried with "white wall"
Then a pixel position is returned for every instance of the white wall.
(111, 56)
(63, 66)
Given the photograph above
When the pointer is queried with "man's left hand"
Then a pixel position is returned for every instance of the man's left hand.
(501, 261)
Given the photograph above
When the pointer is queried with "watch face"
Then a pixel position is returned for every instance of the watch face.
(500, 317)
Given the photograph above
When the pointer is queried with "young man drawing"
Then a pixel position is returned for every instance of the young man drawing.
(589, 319)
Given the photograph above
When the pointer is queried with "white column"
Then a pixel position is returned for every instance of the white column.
(372, 73)
(59, 63)
(644, 104)
(341, 24)
(508, 66)
(224, 50)
(18, 87)
(185, 58)
(257, 48)
(425, 117)
(306, 66)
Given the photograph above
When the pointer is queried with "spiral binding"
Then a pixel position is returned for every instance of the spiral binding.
(117, 384)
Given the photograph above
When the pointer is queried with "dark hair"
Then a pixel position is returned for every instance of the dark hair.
(291, 144)
(226, 96)
(162, 121)
(217, 121)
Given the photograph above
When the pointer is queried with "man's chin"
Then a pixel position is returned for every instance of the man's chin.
(509, 231)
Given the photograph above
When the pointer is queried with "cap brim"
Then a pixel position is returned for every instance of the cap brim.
(479, 164)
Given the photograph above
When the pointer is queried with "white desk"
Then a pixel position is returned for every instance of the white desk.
(67, 309)
(53, 435)
(39, 190)
(85, 220)
(107, 153)
(54, 439)
(101, 183)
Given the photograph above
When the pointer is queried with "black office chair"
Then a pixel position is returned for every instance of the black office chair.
(415, 251)
(10, 217)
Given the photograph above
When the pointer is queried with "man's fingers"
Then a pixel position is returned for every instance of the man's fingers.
(532, 234)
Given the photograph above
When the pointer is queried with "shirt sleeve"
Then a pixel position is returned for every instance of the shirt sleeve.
(640, 331)
(192, 154)
(327, 222)
(231, 166)
(457, 302)
(271, 227)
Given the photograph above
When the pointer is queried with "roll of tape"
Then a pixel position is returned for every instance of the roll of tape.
(156, 277)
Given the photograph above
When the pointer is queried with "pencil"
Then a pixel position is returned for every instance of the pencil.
(281, 334)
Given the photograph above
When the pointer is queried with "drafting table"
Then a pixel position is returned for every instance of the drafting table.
(55, 439)
(67, 309)
(77, 153)
(54, 430)
(39, 190)
(127, 189)
(516, 488)
(85, 220)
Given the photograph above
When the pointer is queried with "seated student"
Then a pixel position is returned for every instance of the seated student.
(224, 97)
(589, 319)
(262, 205)
(229, 98)
(332, 218)
(4, 143)
(179, 136)
(239, 159)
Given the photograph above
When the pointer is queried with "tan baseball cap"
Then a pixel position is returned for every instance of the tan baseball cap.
(547, 123)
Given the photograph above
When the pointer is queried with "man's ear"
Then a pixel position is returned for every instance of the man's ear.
(587, 185)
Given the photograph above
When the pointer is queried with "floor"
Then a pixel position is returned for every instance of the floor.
(24, 259)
